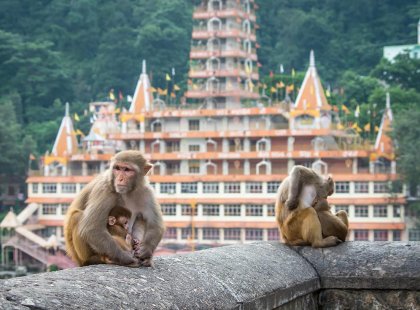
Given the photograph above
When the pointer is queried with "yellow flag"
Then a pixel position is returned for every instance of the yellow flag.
(176, 87)
(111, 95)
(152, 89)
(265, 86)
(118, 110)
(367, 127)
(273, 89)
(340, 127)
(173, 95)
(345, 109)
(164, 92)
(293, 72)
(160, 91)
(76, 117)
(168, 78)
(327, 93)
(376, 128)
(79, 132)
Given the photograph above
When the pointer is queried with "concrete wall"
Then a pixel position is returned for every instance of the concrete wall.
(353, 275)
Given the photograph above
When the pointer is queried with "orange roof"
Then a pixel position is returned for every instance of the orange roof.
(311, 95)
(142, 100)
(65, 142)
(384, 146)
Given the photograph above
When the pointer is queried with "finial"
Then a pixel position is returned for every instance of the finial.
(67, 109)
(143, 69)
(312, 59)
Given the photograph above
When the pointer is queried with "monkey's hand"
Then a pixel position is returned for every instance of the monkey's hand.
(142, 252)
(291, 204)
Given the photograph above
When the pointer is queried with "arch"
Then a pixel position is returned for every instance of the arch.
(247, 46)
(158, 104)
(210, 164)
(214, 5)
(262, 145)
(213, 84)
(210, 141)
(213, 44)
(320, 166)
(214, 24)
(249, 84)
(158, 168)
(318, 144)
(248, 66)
(156, 125)
(246, 6)
(213, 64)
(305, 121)
(154, 144)
(263, 164)
(246, 26)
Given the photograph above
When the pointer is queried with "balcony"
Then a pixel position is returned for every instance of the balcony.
(200, 33)
(223, 90)
(223, 71)
(230, 11)
(204, 52)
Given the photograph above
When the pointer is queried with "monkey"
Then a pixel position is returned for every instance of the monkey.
(117, 226)
(297, 219)
(332, 225)
(122, 184)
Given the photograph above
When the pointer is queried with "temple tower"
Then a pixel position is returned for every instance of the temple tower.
(223, 58)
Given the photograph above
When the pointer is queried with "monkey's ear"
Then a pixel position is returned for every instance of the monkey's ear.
(147, 167)
(112, 220)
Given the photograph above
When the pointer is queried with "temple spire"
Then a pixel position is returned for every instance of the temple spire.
(143, 67)
(312, 59)
(67, 113)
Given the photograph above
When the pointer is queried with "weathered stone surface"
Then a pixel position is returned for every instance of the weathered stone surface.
(254, 276)
(368, 299)
(367, 265)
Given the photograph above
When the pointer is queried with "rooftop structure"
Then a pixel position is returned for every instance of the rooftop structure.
(220, 157)
(413, 50)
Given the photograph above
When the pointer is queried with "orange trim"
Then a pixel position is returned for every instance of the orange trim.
(222, 224)
(48, 200)
(224, 33)
(399, 226)
(57, 179)
(204, 14)
(91, 157)
(51, 222)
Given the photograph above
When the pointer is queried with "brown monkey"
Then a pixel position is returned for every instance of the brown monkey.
(298, 221)
(332, 225)
(123, 184)
(118, 228)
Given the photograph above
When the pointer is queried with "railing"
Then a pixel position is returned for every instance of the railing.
(204, 68)
(205, 48)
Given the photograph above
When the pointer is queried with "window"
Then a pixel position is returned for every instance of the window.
(168, 209)
(64, 208)
(49, 188)
(272, 234)
(380, 211)
(380, 187)
(153, 185)
(380, 235)
(253, 234)
(194, 148)
(342, 207)
(82, 185)
(232, 187)
(172, 146)
(186, 233)
(414, 235)
(68, 188)
(253, 210)
(167, 188)
(211, 234)
(361, 187)
(361, 211)
(194, 124)
(271, 210)
(272, 187)
(210, 188)
(342, 187)
(187, 210)
(49, 208)
(232, 210)
(253, 187)
(396, 211)
(396, 235)
(170, 233)
(35, 188)
(361, 235)
(211, 210)
(232, 234)
(172, 168)
(194, 166)
(189, 188)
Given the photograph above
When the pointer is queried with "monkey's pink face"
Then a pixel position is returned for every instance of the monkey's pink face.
(124, 177)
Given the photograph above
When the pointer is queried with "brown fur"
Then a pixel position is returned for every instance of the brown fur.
(85, 229)
(298, 221)
(332, 225)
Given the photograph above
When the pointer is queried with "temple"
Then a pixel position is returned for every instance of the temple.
(219, 157)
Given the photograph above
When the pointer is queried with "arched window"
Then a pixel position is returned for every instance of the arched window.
(213, 44)
(158, 105)
(320, 166)
(318, 144)
(213, 64)
(214, 5)
(155, 146)
(158, 168)
(247, 46)
(156, 126)
(263, 167)
(214, 24)
(262, 145)
(213, 84)
(211, 168)
(246, 26)
(211, 145)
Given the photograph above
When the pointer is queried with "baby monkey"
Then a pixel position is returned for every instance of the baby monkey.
(117, 226)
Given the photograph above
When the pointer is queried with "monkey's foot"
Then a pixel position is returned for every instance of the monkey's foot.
(148, 262)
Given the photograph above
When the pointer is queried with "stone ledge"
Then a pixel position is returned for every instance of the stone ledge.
(254, 276)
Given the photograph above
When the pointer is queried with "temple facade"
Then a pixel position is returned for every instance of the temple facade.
(220, 156)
